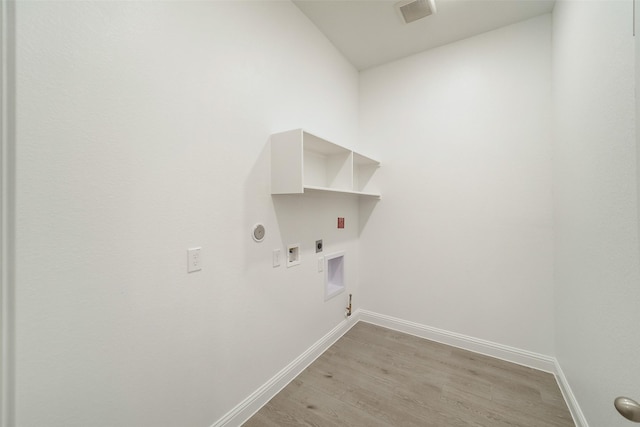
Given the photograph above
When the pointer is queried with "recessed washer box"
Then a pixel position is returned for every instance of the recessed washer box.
(293, 254)
(334, 279)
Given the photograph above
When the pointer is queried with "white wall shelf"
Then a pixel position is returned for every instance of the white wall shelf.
(302, 162)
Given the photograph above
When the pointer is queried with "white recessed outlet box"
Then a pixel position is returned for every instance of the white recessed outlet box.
(194, 260)
(293, 254)
(334, 279)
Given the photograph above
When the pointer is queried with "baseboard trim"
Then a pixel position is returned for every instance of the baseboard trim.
(488, 348)
(256, 400)
(576, 412)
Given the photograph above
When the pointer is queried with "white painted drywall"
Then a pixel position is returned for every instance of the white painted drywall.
(596, 224)
(142, 131)
(462, 238)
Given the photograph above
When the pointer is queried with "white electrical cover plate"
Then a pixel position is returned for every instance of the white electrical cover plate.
(276, 257)
(194, 261)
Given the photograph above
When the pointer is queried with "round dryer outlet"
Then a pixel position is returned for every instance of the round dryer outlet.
(258, 232)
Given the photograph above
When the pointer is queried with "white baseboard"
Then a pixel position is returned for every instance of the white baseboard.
(488, 348)
(256, 400)
(248, 407)
(578, 417)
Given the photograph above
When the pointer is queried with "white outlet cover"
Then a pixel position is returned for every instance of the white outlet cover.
(276, 257)
(194, 260)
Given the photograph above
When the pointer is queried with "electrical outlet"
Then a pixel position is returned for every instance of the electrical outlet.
(194, 260)
(276, 257)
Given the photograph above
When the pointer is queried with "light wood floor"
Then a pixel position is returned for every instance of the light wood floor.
(374, 376)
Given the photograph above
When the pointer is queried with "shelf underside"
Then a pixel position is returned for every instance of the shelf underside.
(334, 190)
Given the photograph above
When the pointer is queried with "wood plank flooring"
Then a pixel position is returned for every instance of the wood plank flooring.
(374, 376)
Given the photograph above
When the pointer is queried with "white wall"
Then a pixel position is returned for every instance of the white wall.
(142, 131)
(596, 223)
(462, 238)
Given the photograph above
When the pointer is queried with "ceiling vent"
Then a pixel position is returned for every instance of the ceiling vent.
(412, 10)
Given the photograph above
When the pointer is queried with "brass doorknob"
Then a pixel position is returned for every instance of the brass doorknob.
(628, 408)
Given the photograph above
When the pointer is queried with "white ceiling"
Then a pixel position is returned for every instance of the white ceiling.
(371, 32)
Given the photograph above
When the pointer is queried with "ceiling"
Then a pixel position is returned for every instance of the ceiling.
(372, 32)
